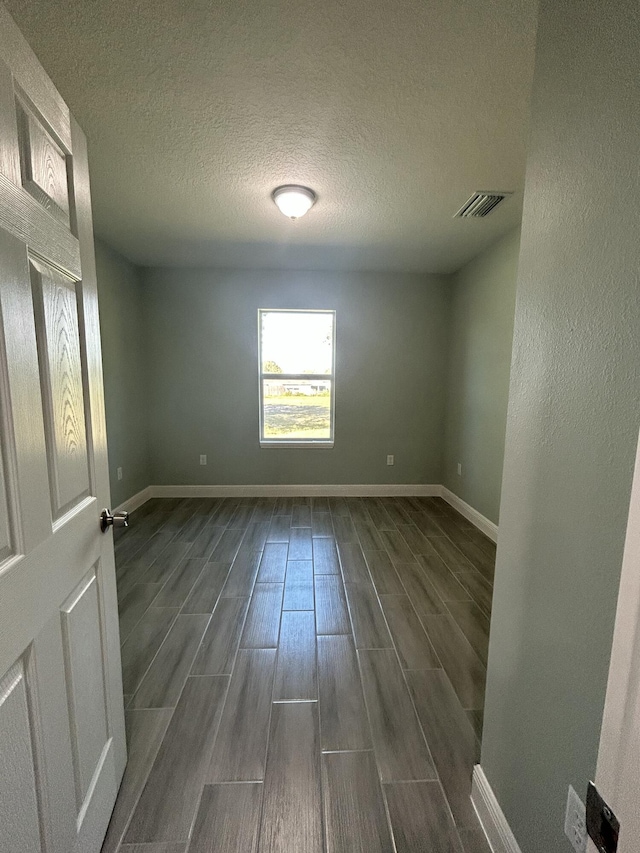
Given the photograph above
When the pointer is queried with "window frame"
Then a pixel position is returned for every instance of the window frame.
(320, 443)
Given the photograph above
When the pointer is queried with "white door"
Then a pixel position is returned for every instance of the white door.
(62, 743)
(618, 769)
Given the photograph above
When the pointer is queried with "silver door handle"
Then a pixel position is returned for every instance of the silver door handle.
(109, 519)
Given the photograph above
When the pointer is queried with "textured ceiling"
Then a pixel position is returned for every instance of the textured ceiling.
(393, 111)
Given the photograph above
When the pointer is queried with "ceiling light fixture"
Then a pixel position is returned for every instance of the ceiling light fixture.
(294, 201)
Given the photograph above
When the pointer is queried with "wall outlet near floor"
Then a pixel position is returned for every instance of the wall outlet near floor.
(391, 459)
(119, 473)
(203, 458)
(575, 822)
(459, 469)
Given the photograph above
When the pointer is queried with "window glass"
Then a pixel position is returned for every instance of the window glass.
(297, 377)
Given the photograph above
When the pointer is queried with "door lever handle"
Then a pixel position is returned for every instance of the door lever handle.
(109, 519)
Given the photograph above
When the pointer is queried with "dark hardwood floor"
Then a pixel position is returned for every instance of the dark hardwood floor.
(301, 675)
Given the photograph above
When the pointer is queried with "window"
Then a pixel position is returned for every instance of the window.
(297, 382)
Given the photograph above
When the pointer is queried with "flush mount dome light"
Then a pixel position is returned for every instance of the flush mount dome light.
(294, 201)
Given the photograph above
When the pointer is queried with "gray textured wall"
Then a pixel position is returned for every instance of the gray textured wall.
(124, 365)
(573, 418)
(483, 294)
(392, 340)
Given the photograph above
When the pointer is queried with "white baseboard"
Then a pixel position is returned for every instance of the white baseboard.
(340, 490)
(275, 491)
(491, 816)
(136, 501)
(487, 527)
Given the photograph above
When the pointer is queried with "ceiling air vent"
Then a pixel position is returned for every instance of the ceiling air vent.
(481, 203)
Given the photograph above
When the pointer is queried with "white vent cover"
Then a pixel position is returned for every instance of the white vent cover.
(481, 203)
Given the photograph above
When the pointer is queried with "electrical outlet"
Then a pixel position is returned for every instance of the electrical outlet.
(119, 473)
(575, 822)
(203, 458)
(391, 460)
(459, 469)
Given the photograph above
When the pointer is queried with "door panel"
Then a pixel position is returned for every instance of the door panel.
(9, 152)
(84, 670)
(22, 428)
(7, 511)
(43, 165)
(19, 812)
(61, 381)
(62, 741)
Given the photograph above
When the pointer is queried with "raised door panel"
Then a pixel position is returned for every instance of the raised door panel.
(20, 816)
(7, 494)
(8, 491)
(9, 159)
(85, 680)
(43, 164)
(6, 533)
(37, 171)
(27, 520)
(61, 379)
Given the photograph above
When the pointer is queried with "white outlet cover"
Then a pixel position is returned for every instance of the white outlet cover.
(575, 822)
(203, 459)
(391, 459)
(460, 468)
(119, 473)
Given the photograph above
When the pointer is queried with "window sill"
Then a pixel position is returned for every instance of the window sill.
(320, 445)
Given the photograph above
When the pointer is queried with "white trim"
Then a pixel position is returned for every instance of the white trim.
(487, 527)
(322, 445)
(136, 500)
(491, 816)
(274, 491)
(617, 774)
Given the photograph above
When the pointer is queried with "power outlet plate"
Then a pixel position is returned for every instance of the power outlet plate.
(203, 458)
(459, 469)
(575, 822)
(391, 459)
(119, 473)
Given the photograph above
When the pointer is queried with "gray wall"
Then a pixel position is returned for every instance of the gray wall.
(392, 338)
(573, 418)
(483, 293)
(124, 360)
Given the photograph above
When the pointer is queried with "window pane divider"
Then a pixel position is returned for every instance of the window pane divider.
(297, 376)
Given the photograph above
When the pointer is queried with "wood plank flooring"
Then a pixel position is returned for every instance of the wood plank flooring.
(301, 674)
